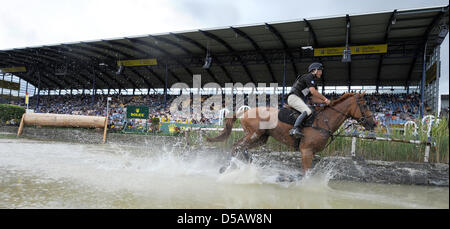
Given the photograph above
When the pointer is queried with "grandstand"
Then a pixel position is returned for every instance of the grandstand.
(390, 109)
(393, 52)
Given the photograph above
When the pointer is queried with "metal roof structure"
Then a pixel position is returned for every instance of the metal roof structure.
(259, 53)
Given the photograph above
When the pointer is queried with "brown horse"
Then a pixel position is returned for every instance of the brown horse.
(326, 122)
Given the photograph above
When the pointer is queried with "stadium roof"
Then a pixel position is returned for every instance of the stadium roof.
(253, 53)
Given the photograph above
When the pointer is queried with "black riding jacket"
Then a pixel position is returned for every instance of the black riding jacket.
(302, 84)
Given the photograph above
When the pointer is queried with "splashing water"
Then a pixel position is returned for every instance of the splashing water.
(38, 174)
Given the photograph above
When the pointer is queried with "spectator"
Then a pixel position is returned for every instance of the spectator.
(388, 107)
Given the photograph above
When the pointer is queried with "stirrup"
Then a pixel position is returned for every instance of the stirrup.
(296, 133)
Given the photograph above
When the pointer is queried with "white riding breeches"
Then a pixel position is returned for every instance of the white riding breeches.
(298, 104)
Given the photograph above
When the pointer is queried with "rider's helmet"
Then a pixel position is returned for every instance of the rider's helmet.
(315, 65)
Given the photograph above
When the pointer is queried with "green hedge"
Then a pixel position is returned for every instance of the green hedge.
(155, 121)
(9, 112)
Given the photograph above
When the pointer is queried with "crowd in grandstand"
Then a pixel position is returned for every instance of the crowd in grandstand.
(392, 109)
(388, 108)
(83, 105)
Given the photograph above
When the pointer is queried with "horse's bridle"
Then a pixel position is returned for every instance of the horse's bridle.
(364, 117)
(362, 120)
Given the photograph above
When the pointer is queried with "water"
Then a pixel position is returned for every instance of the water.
(40, 174)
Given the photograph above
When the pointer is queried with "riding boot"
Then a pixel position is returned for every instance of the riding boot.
(296, 131)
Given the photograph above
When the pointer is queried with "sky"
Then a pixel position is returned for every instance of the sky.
(25, 23)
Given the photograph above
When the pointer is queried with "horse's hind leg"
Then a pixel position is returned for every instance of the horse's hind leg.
(240, 148)
(248, 142)
(261, 141)
(235, 148)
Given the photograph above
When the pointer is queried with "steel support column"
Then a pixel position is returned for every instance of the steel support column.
(26, 88)
(347, 46)
(3, 79)
(284, 80)
(10, 90)
(39, 89)
(93, 87)
(165, 87)
(422, 86)
(391, 21)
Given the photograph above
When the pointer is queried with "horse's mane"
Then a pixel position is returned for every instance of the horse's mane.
(342, 98)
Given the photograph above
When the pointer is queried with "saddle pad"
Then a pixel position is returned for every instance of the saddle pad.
(289, 115)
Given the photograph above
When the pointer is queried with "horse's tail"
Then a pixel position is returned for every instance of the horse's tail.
(229, 122)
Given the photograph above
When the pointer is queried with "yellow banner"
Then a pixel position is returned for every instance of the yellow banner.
(140, 62)
(14, 69)
(355, 50)
(431, 74)
(26, 99)
(9, 85)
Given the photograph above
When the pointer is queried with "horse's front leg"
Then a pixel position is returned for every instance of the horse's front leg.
(307, 158)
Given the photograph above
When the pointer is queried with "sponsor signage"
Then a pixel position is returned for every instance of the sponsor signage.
(137, 112)
(13, 69)
(9, 85)
(139, 62)
(355, 50)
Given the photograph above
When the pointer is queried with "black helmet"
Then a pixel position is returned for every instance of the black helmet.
(315, 65)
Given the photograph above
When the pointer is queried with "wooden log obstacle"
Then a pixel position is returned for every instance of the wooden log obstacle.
(62, 120)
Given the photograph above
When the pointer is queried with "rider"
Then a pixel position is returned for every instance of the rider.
(303, 88)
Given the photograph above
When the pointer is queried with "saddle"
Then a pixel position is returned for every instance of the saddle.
(288, 115)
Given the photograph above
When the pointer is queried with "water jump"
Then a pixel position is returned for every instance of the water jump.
(323, 123)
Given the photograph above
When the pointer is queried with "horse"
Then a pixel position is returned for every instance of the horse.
(326, 121)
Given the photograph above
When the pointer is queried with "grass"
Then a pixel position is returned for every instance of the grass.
(398, 151)
(8, 136)
(368, 149)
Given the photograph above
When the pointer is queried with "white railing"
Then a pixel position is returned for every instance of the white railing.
(428, 120)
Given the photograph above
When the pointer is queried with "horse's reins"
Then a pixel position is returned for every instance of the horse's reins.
(333, 136)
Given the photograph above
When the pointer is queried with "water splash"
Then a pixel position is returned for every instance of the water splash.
(50, 174)
(238, 172)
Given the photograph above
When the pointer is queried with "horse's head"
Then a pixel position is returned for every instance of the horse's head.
(362, 113)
